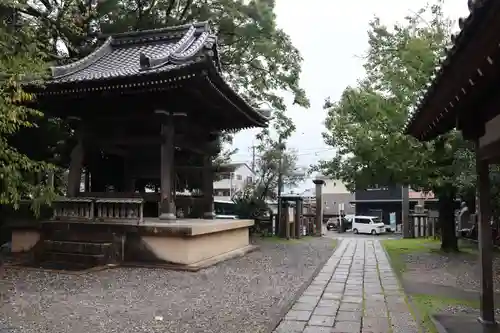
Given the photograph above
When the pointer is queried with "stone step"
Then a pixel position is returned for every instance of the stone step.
(80, 236)
(82, 259)
(68, 246)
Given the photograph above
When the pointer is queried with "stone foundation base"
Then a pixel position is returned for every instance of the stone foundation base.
(185, 244)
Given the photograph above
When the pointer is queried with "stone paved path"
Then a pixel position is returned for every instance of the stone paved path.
(356, 291)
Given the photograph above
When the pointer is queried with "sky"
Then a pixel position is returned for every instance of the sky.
(331, 37)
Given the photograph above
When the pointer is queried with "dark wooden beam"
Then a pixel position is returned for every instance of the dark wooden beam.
(194, 144)
(456, 81)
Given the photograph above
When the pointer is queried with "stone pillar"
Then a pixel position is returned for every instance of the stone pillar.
(487, 306)
(75, 169)
(405, 212)
(208, 188)
(167, 205)
(319, 205)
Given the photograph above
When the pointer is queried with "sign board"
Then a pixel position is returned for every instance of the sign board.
(392, 221)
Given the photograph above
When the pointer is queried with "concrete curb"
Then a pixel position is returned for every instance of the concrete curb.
(284, 310)
(437, 325)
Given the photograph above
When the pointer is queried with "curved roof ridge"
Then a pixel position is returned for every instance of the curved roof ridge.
(68, 69)
(204, 25)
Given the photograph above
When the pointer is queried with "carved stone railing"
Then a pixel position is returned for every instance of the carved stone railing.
(81, 209)
(119, 209)
(85, 209)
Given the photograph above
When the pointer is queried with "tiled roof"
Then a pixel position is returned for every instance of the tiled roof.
(477, 9)
(142, 52)
(172, 55)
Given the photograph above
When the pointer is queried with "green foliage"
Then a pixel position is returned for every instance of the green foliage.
(20, 176)
(366, 124)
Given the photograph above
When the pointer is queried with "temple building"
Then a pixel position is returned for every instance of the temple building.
(464, 94)
(147, 109)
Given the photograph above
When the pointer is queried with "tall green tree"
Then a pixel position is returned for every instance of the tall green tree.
(366, 124)
(20, 175)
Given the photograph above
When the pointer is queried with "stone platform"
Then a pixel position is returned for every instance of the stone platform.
(183, 244)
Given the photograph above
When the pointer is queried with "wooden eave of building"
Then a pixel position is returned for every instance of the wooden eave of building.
(465, 76)
(177, 65)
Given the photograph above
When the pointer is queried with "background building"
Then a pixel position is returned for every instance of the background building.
(336, 197)
(231, 179)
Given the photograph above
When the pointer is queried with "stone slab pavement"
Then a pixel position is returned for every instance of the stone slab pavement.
(355, 292)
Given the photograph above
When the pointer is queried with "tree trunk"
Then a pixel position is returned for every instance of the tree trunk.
(446, 197)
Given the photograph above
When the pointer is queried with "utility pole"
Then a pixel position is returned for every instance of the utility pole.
(253, 158)
(280, 185)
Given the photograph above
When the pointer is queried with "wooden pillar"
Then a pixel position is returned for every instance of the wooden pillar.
(208, 188)
(298, 218)
(167, 205)
(487, 304)
(87, 180)
(319, 205)
(50, 179)
(128, 180)
(286, 219)
(75, 169)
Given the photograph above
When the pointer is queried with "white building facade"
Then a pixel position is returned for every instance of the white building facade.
(232, 179)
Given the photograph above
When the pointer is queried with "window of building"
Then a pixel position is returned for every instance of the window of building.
(377, 187)
(249, 180)
(239, 177)
(226, 193)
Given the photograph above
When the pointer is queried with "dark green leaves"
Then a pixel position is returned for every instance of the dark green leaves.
(366, 123)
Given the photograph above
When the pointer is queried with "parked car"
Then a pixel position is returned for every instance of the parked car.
(334, 223)
(368, 225)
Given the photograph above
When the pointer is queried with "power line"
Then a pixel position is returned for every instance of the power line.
(299, 154)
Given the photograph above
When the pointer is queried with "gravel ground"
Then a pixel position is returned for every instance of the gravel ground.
(458, 309)
(241, 295)
(455, 270)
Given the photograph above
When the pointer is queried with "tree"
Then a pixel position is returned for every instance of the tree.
(273, 160)
(21, 53)
(366, 124)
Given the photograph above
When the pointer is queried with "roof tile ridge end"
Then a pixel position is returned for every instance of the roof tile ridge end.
(68, 69)
(149, 62)
(191, 48)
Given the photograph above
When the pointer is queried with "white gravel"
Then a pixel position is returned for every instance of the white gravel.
(243, 295)
(454, 270)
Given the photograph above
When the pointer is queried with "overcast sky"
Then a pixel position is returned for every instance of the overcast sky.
(331, 36)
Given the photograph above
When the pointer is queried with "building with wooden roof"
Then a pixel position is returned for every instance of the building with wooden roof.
(146, 107)
(464, 94)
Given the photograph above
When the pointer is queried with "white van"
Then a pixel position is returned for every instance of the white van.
(368, 225)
